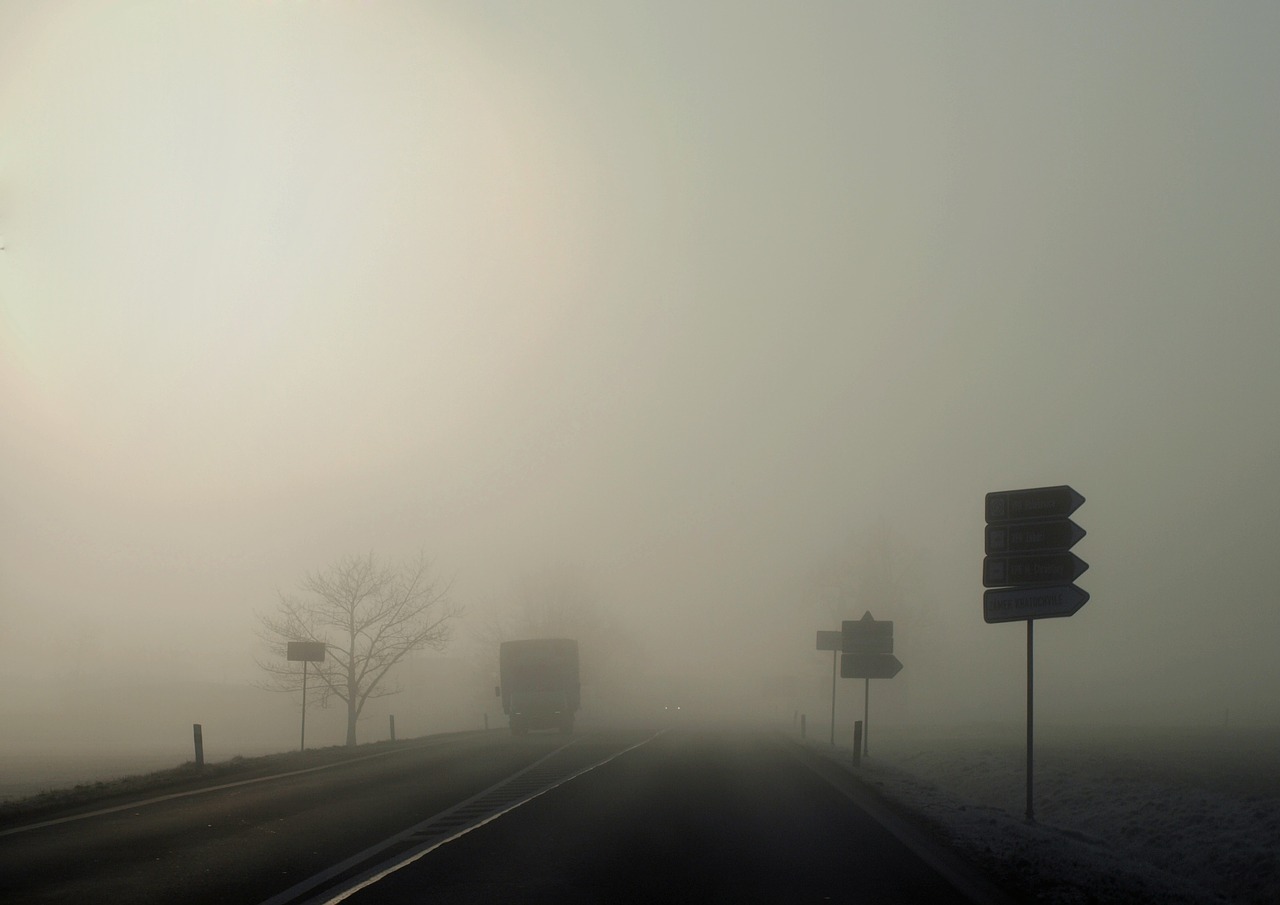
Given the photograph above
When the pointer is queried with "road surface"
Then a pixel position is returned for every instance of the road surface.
(614, 816)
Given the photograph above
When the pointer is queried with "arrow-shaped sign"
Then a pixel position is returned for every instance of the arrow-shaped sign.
(1050, 535)
(1013, 604)
(869, 666)
(1043, 568)
(1034, 503)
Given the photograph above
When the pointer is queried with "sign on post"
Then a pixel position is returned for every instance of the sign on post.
(1028, 538)
(867, 654)
(1029, 570)
(307, 652)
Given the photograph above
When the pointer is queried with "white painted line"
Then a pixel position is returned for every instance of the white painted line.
(378, 873)
(228, 785)
(964, 877)
(299, 889)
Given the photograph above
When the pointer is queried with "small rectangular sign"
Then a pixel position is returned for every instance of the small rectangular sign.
(830, 640)
(312, 651)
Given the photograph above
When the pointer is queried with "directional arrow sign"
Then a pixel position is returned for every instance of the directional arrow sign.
(1050, 535)
(1035, 503)
(1045, 568)
(869, 666)
(1045, 602)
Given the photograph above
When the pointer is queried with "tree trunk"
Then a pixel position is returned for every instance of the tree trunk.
(353, 712)
(353, 709)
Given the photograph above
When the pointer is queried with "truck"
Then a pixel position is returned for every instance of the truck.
(539, 683)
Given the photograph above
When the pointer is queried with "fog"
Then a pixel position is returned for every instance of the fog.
(727, 313)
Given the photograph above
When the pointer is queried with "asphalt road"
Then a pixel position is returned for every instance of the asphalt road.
(247, 842)
(600, 817)
(686, 817)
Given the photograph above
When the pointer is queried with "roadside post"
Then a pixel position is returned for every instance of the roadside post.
(198, 732)
(307, 652)
(1029, 572)
(832, 641)
(867, 653)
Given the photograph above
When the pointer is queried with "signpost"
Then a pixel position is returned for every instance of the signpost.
(832, 641)
(1030, 571)
(867, 654)
(307, 652)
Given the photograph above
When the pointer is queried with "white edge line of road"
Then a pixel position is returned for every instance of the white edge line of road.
(378, 873)
(295, 892)
(226, 785)
(964, 877)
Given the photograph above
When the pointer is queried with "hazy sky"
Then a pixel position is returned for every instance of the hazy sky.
(685, 296)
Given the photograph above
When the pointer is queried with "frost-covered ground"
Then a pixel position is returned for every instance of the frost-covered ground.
(1133, 815)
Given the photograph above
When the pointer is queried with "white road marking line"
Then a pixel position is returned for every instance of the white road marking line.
(229, 785)
(378, 873)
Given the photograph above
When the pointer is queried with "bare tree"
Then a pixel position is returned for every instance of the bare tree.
(370, 616)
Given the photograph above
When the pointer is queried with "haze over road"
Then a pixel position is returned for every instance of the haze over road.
(695, 303)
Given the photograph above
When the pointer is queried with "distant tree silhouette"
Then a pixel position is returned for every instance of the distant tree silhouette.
(370, 616)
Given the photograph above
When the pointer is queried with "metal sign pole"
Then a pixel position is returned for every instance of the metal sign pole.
(866, 704)
(835, 655)
(303, 745)
(306, 651)
(1031, 817)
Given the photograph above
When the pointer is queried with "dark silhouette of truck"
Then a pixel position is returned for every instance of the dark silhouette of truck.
(540, 688)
